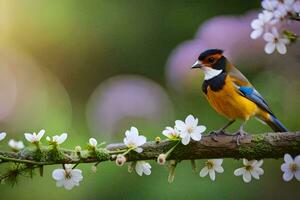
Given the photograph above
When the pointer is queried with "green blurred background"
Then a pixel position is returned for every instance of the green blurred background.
(97, 67)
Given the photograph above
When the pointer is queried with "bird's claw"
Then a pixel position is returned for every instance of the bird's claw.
(214, 134)
(239, 135)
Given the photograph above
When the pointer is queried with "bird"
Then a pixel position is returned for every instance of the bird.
(231, 94)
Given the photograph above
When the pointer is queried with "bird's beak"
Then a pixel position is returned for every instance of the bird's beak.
(197, 64)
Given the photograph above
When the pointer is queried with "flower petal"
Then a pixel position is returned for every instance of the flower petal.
(2, 135)
(134, 131)
(288, 158)
(247, 176)
(218, 161)
(285, 167)
(167, 132)
(69, 184)
(239, 171)
(29, 137)
(203, 172)
(255, 174)
(256, 24)
(256, 33)
(297, 160)
(60, 183)
(147, 168)
(275, 32)
(200, 129)
(76, 175)
(186, 140)
(270, 47)
(246, 162)
(287, 176)
(196, 136)
(40, 134)
(62, 138)
(269, 37)
(180, 125)
(139, 169)
(127, 133)
(58, 174)
(140, 140)
(260, 171)
(259, 163)
(212, 175)
(191, 121)
(297, 174)
(281, 48)
(219, 169)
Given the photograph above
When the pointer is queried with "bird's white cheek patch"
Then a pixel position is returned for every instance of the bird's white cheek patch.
(210, 73)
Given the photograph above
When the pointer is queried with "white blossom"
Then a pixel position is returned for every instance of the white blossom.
(33, 137)
(142, 167)
(171, 133)
(189, 129)
(275, 41)
(275, 15)
(68, 177)
(133, 140)
(93, 142)
(270, 5)
(285, 5)
(279, 15)
(251, 169)
(16, 145)
(57, 139)
(2, 135)
(211, 167)
(296, 7)
(259, 24)
(291, 167)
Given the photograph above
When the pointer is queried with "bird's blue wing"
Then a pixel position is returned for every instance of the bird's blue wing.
(253, 95)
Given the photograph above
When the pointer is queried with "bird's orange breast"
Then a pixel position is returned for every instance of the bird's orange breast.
(228, 102)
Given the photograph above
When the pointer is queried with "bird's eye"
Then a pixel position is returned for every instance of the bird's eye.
(211, 60)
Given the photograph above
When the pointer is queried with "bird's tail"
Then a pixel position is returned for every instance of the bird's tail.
(271, 120)
(275, 124)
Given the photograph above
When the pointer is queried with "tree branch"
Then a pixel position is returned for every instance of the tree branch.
(267, 145)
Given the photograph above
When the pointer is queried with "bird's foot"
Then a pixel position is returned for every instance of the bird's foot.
(239, 135)
(215, 134)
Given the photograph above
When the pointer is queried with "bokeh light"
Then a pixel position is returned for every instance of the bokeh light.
(127, 97)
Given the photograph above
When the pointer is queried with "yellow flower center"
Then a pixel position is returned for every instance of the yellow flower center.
(248, 167)
(189, 130)
(293, 167)
(209, 164)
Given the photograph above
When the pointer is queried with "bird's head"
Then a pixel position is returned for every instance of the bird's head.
(212, 62)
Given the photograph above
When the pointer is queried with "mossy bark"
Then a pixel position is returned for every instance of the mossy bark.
(261, 146)
(268, 145)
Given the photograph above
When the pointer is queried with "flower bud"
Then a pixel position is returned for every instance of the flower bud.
(157, 139)
(78, 149)
(161, 159)
(120, 160)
